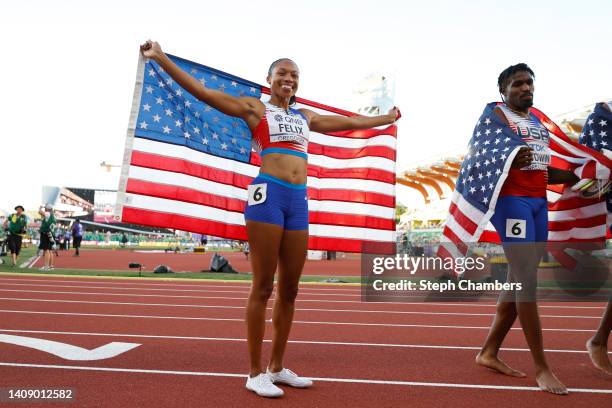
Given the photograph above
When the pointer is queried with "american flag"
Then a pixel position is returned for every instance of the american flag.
(491, 151)
(597, 134)
(187, 166)
(597, 130)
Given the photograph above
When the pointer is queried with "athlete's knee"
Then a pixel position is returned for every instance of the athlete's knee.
(262, 292)
(288, 293)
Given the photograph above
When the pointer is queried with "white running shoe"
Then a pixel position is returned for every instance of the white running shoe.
(44, 268)
(286, 376)
(262, 385)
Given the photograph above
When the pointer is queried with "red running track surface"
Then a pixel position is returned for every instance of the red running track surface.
(193, 353)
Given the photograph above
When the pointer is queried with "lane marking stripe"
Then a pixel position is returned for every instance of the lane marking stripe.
(300, 293)
(300, 322)
(325, 343)
(240, 284)
(305, 300)
(340, 380)
(295, 321)
(202, 283)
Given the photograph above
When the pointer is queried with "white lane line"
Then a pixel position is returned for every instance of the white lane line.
(30, 261)
(213, 319)
(298, 301)
(324, 343)
(170, 296)
(199, 284)
(27, 261)
(241, 308)
(300, 298)
(322, 379)
(238, 285)
(301, 293)
(34, 261)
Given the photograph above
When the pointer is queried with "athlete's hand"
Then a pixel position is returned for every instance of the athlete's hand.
(151, 49)
(394, 114)
(591, 187)
(523, 158)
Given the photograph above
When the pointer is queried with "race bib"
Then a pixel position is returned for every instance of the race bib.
(285, 127)
(257, 193)
(541, 155)
(534, 134)
(516, 228)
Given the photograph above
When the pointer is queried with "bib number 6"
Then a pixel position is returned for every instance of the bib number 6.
(516, 228)
(257, 193)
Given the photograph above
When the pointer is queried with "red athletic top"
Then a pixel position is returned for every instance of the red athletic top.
(529, 181)
(281, 131)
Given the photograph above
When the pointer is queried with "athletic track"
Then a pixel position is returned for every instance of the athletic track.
(193, 351)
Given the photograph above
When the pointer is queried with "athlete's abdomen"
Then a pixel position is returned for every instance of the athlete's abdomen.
(525, 183)
(289, 168)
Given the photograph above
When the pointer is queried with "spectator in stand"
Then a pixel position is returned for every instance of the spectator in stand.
(124, 240)
(77, 236)
(16, 225)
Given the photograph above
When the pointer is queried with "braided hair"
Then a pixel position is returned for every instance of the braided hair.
(506, 74)
(274, 64)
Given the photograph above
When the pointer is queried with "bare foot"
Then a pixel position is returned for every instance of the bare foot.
(496, 364)
(599, 356)
(548, 382)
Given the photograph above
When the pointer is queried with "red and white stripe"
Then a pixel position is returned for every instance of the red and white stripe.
(571, 217)
(467, 224)
(351, 187)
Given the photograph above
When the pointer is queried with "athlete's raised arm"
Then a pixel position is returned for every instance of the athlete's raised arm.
(333, 123)
(247, 108)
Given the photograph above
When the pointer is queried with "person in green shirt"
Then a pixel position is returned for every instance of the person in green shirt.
(47, 226)
(16, 225)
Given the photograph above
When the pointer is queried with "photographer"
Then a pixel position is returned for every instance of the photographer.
(47, 226)
(16, 225)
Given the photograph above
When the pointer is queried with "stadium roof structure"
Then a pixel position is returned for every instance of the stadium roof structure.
(440, 177)
(573, 121)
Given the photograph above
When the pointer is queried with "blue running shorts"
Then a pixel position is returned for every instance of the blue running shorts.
(521, 219)
(274, 201)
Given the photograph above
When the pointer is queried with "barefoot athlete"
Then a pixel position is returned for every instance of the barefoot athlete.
(520, 218)
(276, 214)
(597, 346)
(597, 134)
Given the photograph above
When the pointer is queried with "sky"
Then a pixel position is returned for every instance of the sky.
(68, 69)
